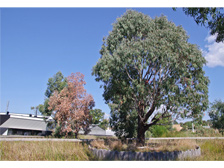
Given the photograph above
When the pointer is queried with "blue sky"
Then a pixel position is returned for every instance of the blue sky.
(36, 43)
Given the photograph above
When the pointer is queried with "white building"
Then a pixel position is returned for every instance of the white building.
(23, 124)
(27, 124)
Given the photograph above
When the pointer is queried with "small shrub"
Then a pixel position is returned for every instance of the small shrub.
(158, 131)
(148, 134)
(131, 147)
(99, 144)
(57, 133)
(115, 145)
(207, 131)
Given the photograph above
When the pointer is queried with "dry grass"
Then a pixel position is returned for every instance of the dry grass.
(109, 144)
(87, 137)
(152, 145)
(211, 150)
(44, 151)
(169, 145)
(99, 144)
(115, 145)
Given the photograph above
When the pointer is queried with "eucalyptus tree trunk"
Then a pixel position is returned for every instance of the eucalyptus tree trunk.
(140, 133)
(141, 128)
(76, 135)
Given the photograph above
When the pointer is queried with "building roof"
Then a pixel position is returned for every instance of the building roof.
(28, 123)
(95, 130)
(25, 115)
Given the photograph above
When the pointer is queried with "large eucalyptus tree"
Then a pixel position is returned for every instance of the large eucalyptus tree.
(147, 64)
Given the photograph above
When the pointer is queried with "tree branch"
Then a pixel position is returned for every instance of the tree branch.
(128, 74)
(155, 120)
(149, 113)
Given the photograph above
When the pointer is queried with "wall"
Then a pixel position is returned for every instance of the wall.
(125, 155)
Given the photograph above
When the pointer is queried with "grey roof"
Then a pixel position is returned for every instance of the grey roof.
(22, 123)
(95, 130)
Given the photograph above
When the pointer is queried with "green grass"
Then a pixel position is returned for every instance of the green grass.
(211, 150)
(204, 133)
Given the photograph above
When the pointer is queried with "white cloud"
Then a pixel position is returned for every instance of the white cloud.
(215, 52)
(211, 38)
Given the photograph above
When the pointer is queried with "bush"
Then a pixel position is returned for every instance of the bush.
(115, 145)
(158, 131)
(207, 131)
(99, 144)
(148, 134)
(57, 133)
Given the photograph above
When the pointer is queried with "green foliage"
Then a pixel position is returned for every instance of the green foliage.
(187, 125)
(175, 122)
(57, 82)
(146, 64)
(216, 113)
(57, 132)
(43, 108)
(212, 18)
(104, 124)
(158, 130)
(97, 116)
(200, 131)
(148, 134)
(165, 122)
(123, 122)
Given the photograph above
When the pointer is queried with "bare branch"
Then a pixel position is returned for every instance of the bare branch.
(156, 120)
(150, 111)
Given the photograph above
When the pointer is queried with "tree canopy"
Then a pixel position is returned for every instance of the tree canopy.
(72, 105)
(104, 124)
(55, 83)
(216, 113)
(148, 64)
(212, 18)
(123, 121)
(97, 116)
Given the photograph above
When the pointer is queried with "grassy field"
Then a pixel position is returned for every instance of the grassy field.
(44, 151)
(212, 150)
